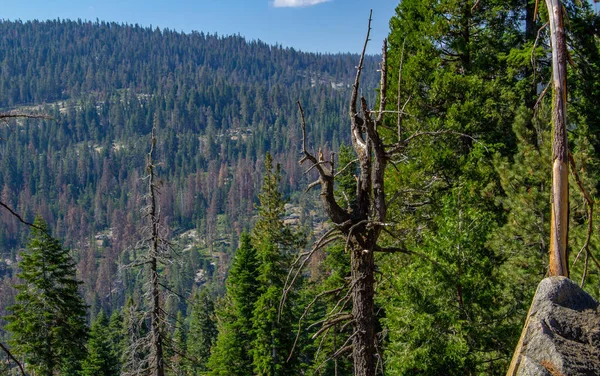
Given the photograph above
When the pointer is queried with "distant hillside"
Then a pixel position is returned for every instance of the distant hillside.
(220, 103)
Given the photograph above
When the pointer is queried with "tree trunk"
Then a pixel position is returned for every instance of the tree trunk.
(559, 221)
(363, 350)
(158, 368)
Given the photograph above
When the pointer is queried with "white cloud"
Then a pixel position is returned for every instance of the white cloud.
(296, 3)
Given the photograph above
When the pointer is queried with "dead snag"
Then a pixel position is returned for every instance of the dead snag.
(559, 221)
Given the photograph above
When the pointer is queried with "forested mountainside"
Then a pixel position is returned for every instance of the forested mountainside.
(219, 104)
(436, 188)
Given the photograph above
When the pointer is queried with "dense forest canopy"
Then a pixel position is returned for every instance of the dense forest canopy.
(219, 103)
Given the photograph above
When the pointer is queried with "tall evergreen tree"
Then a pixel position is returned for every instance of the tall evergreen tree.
(454, 67)
(467, 67)
(275, 244)
(116, 335)
(203, 331)
(48, 320)
(231, 353)
(100, 360)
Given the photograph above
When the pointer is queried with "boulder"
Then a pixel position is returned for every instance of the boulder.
(561, 336)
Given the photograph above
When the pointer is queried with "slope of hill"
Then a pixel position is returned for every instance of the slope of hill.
(219, 103)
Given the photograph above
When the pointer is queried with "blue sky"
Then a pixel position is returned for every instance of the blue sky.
(308, 25)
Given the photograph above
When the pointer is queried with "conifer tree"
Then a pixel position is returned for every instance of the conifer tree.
(467, 67)
(178, 349)
(203, 331)
(231, 353)
(116, 335)
(48, 320)
(100, 360)
(275, 243)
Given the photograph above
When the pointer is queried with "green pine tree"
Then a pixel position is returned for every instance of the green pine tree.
(116, 334)
(231, 354)
(275, 244)
(101, 359)
(464, 77)
(177, 350)
(47, 323)
(203, 331)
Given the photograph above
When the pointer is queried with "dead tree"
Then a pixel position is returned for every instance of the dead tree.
(156, 316)
(158, 251)
(362, 225)
(559, 220)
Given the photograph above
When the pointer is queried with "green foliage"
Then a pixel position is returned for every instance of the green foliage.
(450, 310)
(231, 354)
(449, 313)
(177, 349)
(202, 332)
(101, 359)
(116, 334)
(275, 244)
(526, 180)
(468, 68)
(48, 320)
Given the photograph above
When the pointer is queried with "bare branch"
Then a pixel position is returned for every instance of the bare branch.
(351, 230)
(18, 216)
(542, 95)
(344, 348)
(399, 94)
(346, 166)
(590, 229)
(306, 310)
(389, 112)
(393, 149)
(383, 82)
(12, 357)
(312, 185)
(289, 284)
(317, 164)
(359, 70)
(332, 322)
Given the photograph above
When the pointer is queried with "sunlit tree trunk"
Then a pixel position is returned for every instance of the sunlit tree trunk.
(559, 222)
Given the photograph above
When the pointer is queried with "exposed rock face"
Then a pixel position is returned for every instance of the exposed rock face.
(561, 336)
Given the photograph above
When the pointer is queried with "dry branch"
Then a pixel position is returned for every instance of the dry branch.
(12, 357)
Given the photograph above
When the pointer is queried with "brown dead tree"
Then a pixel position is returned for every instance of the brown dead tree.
(361, 226)
(158, 252)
